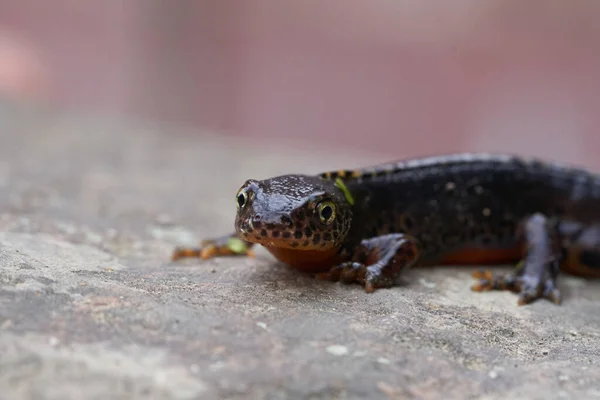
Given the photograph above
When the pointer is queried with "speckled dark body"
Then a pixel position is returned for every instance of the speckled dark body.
(468, 200)
(368, 225)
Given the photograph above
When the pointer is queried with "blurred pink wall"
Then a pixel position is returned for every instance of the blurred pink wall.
(400, 78)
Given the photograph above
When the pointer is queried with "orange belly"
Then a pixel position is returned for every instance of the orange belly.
(571, 264)
(476, 256)
(313, 261)
(306, 260)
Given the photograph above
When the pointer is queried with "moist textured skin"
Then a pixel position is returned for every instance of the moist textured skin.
(454, 209)
(282, 214)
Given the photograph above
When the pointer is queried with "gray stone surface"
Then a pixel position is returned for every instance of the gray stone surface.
(90, 307)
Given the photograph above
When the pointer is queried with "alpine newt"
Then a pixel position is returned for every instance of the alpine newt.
(368, 225)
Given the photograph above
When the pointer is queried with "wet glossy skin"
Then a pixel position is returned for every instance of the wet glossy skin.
(464, 208)
(293, 211)
(470, 201)
(302, 220)
(448, 203)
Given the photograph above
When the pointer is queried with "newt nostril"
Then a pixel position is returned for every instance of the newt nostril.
(257, 218)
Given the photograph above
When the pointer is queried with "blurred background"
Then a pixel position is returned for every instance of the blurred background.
(399, 78)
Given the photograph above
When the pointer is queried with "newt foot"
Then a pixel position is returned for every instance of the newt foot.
(219, 247)
(530, 288)
(371, 277)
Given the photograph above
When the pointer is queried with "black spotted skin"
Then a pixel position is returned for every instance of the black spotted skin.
(460, 208)
(470, 200)
(283, 213)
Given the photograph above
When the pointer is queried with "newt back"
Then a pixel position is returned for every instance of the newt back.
(474, 201)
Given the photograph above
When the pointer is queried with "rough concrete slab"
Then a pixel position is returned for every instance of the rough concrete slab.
(90, 307)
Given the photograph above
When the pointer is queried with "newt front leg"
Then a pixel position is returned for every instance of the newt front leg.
(226, 245)
(377, 262)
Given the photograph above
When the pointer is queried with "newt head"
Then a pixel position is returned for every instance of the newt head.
(293, 212)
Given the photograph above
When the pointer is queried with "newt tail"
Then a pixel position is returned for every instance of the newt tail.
(368, 225)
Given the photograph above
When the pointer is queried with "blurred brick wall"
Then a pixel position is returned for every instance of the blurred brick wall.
(401, 78)
(137, 57)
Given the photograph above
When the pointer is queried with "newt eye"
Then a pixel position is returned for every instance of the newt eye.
(326, 210)
(241, 199)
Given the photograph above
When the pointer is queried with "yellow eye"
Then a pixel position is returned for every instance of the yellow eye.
(326, 210)
(241, 199)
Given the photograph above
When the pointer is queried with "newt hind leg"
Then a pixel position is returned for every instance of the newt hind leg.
(535, 276)
(376, 262)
